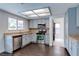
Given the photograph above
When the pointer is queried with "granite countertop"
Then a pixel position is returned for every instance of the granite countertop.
(76, 36)
(15, 33)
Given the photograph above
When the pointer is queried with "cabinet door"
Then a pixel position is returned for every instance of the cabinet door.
(74, 47)
(24, 40)
(34, 38)
(77, 48)
(70, 46)
(67, 46)
(47, 39)
(77, 20)
(29, 37)
(65, 43)
(33, 23)
(8, 44)
(74, 51)
(77, 51)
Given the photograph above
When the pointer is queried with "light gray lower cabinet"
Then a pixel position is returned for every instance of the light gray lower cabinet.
(66, 43)
(47, 39)
(72, 45)
(34, 37)
(69, 46)
(8, 44)
(12, 43)
(26, 39)
(78, 50)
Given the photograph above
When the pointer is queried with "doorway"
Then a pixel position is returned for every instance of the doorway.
(57, 35)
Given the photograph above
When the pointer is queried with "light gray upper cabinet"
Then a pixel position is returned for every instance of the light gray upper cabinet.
(77, 19)
(34, 23)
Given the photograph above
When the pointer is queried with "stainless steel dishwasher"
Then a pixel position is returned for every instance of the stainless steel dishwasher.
(17, 42)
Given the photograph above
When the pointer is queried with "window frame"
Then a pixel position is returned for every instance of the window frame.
(10, 24)
(16, 24)
(22, 25)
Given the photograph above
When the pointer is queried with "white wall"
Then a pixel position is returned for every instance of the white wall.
(61, 22)
(4, 26)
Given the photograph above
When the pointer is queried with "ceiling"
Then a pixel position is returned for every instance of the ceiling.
(58, 9)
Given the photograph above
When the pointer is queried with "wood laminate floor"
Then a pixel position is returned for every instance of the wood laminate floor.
(40, 50)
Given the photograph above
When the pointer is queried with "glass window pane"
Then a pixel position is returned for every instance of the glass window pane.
(12, 24)
(20, 24)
